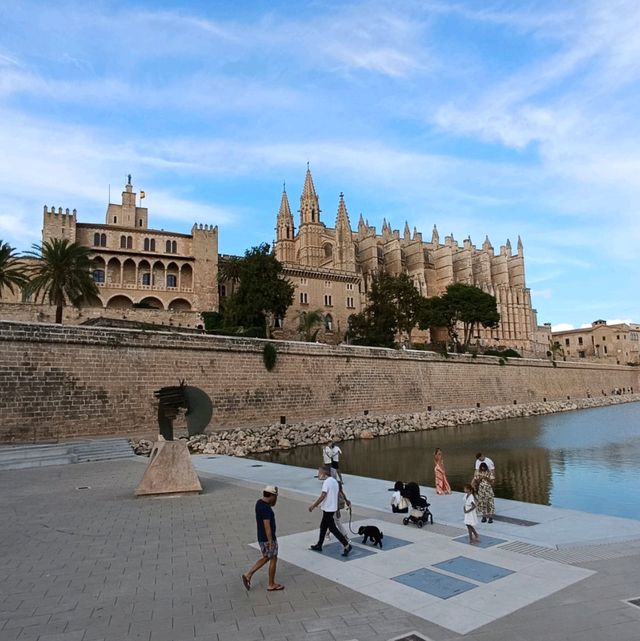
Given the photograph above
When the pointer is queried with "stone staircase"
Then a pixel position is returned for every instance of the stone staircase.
(14, 457)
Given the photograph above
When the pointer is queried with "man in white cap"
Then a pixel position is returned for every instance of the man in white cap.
(266, 522)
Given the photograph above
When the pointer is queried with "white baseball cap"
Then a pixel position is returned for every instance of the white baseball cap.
(271, 489)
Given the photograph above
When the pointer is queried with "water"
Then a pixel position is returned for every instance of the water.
(585, 460)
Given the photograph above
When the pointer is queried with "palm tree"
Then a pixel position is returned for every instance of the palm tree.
(12, 273)
(229, 270)
(61, 273)
(309, 324)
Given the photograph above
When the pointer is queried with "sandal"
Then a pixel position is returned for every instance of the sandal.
(275, 588)
(246, 582)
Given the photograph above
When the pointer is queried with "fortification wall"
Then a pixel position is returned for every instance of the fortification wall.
(60, 381)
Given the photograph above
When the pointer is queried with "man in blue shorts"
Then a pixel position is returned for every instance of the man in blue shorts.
(266, 522)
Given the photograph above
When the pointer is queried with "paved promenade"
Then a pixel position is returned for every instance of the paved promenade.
(88, 564)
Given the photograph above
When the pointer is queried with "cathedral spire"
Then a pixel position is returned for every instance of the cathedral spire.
(487, 244)
(435, 236)
(520, 247)
(407, 231)
(309, 204)
(344, 254)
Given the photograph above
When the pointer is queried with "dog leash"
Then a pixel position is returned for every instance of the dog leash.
(350, 515)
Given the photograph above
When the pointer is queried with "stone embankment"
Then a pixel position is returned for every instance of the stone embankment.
(242, 442)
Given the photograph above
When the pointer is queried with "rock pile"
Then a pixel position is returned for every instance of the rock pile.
(244, 441)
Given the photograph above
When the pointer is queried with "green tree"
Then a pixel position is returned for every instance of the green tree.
(229, 271)
(310, 323)
(461, 305)
(12, 272)
(262, 294)
(61, 273)
(394, 306)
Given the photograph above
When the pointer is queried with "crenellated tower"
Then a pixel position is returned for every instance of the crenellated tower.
(127, 214)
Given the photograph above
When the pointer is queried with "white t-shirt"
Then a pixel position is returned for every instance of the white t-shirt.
(331, 487)
(326, 454)
(488, 461)
(335, 453)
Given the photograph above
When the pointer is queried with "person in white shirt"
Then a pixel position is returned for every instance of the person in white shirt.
(328, 502)
(331, 457)
(481, 458)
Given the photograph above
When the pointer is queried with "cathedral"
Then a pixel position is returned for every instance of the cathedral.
(331, 269)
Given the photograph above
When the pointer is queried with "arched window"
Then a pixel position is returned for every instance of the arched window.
(146, 244)
(172, 281)
(146, 278)
(96, 240)
(168, 245)
(103, 240)
(328, 323)
(123, 242)
(152, 245)
(140, 222)
(98, 275)
(129, 242)
(174, 247)
(115, 220)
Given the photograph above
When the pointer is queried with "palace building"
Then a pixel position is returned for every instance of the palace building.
(137, 266)
(332, 268)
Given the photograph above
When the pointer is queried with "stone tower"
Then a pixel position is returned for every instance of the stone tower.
(344, 253)
(127, 214)
(285, 249)
(311, 230)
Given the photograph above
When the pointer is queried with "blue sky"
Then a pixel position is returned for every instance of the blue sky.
(503, 118)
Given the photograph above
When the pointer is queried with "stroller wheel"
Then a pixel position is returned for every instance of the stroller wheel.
(405, 521)
(420, 523)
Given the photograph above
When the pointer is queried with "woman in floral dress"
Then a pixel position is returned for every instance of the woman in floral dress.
(486, 498)
(442, 485)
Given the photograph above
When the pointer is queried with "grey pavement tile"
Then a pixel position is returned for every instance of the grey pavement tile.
(64, 636)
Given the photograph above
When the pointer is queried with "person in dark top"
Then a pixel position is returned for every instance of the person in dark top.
(266, 523)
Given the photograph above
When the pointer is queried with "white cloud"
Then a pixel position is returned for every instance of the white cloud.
(562, 327)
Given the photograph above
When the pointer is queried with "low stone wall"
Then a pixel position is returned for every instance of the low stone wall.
(242, 442)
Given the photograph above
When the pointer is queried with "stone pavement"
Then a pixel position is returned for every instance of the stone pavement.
(97, 563)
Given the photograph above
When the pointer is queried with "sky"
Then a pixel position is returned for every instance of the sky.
(498, 118)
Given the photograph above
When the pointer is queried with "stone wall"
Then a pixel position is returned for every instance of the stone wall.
(61, 381)
(42, 313)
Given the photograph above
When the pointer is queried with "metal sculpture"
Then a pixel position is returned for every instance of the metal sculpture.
(173, 399)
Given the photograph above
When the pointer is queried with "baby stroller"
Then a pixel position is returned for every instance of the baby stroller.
(419, 512)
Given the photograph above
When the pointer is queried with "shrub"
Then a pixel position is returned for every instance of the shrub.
(269, 356)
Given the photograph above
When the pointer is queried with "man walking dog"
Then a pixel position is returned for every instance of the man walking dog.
(328, 502)
(266, 522)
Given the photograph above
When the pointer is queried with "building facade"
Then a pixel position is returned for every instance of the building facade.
(618, 343)
(137, 266)
(332, 269)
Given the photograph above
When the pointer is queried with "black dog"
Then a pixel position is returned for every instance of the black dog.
(371, 532)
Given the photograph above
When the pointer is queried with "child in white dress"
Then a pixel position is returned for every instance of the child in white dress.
(470, 514)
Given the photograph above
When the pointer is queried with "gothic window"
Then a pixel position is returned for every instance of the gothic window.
(147, 244)
(174, 247)
(103, 240)
(328, 323)
(146, 278)
(327, 300)
(123, 242)
(350, 304)
(96, 240)
(152, 244)
(98, 275)
(115, 220)
(168, 247)
(129, 242)
(304, 298)
(288, 231)
(172, 281)
(277, 321)
(328, 250)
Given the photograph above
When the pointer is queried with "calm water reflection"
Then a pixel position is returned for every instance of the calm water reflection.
(586, 460)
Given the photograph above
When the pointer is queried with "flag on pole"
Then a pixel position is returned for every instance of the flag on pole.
(142, 195)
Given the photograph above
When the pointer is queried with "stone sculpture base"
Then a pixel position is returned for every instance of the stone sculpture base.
(170, 471)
